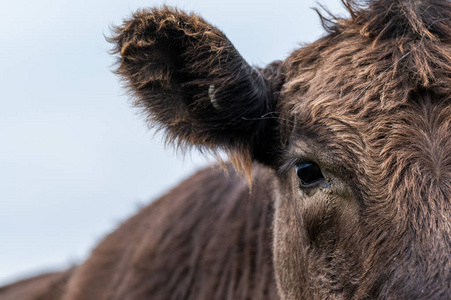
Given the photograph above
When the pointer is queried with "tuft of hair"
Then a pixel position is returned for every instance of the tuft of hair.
(388, 19)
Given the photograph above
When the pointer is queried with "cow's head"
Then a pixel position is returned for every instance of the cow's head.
(356, 126)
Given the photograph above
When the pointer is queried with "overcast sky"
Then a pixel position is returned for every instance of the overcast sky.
(75, 158)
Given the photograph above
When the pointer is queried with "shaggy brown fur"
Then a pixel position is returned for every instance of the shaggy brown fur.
(369, 104)
(191, 243)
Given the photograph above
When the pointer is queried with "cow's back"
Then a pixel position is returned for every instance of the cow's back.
(208, 238)
(51, 286)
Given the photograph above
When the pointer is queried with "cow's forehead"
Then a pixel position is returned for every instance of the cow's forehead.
(363, 99)
(348, 81)
(356, 73)
(376, 58)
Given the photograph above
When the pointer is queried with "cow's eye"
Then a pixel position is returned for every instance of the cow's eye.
(309, 174)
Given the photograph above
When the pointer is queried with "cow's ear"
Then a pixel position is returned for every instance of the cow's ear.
(194, 84)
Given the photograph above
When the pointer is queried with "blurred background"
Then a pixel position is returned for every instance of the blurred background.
(75, 158)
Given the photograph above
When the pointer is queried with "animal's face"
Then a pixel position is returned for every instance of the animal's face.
(355, 126)
(364, 203)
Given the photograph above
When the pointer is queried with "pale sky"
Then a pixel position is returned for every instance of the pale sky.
(75, 159)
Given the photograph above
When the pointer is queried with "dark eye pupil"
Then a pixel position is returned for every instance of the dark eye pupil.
(309, 173)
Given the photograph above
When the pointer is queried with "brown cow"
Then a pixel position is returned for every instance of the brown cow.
(350, 142)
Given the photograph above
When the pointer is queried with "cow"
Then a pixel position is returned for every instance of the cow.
(338, 182)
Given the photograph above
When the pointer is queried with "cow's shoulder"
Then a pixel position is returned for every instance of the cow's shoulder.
(208, 238)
